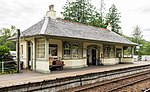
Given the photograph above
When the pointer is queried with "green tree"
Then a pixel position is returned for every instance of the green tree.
(4, 52)
(137, 38)
(137, 35)
(83, 11)
(113, 17)
(97, 20)
(5, 33)
(79, 11)
(145, 50)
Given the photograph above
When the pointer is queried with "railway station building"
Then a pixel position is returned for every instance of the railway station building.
(76, 44)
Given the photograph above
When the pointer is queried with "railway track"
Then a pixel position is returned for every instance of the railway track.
(99, 80)
(132, 82)
(108, 86)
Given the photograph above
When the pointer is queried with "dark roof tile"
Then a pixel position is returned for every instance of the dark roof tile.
(34, 30)
(65, 28)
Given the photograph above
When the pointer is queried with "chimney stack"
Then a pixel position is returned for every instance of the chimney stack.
(51, 13)
(109, 26)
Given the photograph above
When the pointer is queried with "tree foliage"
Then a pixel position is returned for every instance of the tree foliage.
(137, 35)
(4, 52)
(78, 11)
(113, 17)
(145, 50)
(83, 11)
(97, 21)
(5, 33)
(137, 38)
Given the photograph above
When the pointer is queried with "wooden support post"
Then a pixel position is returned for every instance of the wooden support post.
(18, 50)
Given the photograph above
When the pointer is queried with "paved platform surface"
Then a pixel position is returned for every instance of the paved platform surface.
(31, 76)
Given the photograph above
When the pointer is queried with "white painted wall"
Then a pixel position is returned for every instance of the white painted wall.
(127, 60)
(42, 65)
(86, 44)
(75, 63)
(24, 55)
(109, 61)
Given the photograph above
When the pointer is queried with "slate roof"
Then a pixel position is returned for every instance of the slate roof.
(34, 30)
(64, 28)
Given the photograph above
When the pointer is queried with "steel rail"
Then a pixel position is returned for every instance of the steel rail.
(128, 84)
(112, 81)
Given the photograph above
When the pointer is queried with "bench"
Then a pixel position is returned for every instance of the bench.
(55, 63)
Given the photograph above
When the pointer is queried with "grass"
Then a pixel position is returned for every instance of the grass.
(9, 71)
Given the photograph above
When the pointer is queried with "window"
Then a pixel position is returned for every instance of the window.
(112, 52)
(40, 48)
(109, 51)
(106, 51)
(53, 49)
(21, 51)
(75, 49)
(67, 50)
(127, 51)
(71, 50)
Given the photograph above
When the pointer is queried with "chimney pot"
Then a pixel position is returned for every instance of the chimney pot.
(51, 13)
(51, 8)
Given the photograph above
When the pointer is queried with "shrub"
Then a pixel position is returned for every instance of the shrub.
(4, 52)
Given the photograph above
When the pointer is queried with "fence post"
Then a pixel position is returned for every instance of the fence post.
(2, 67)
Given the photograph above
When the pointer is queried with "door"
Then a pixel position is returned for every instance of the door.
(29, 55)
(94, 56)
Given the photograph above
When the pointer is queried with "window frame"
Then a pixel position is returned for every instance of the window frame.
(66, 49)
(110, 51)
(21, 50)
(40, 50)
(78, 50)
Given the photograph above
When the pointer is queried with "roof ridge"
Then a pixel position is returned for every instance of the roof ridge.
(43, 29)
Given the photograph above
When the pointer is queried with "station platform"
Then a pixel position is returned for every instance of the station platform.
(27, 76)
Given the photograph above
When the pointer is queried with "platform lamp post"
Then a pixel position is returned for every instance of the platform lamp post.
(18, 50)
(138, 50)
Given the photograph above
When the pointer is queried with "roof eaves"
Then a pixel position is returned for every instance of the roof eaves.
(131, 43)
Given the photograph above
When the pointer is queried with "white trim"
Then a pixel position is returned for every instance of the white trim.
(44, 25)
